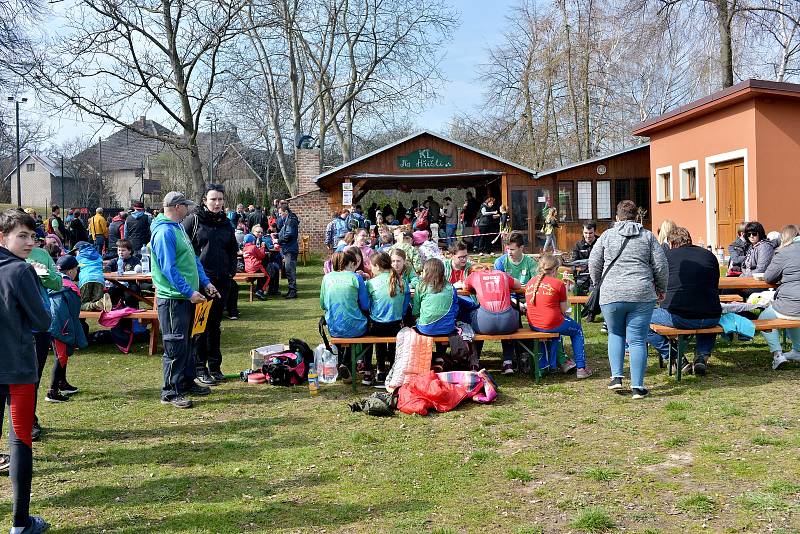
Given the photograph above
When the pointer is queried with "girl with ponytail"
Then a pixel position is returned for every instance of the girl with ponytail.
(546, 299)
(390, 297)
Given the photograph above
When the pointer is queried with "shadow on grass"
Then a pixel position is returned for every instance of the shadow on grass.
(269, 517)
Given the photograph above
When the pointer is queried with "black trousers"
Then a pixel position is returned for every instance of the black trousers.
(232, 302)
(383, 351)
(176, 317)
(20, 399)
(209, 355)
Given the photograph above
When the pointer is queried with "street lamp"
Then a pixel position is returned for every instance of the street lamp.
(19, 163)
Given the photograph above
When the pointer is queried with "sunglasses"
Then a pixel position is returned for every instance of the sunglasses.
(748, 234)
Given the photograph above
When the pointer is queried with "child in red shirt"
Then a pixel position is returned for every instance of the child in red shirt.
(546, 299)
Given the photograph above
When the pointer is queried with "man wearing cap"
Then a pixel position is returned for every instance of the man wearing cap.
(137, 227)
(98, 229)
(178, 276)
(287, 237)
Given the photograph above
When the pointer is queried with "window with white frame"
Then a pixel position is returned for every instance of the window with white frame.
(584, 200)
(664, 184)
(603, 199)
(688, 180)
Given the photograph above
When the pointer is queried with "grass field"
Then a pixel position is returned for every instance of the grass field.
(718, 454)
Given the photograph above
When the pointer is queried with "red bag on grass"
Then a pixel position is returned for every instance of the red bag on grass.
(427, 391)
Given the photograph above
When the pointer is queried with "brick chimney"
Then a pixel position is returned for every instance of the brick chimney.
(306, 169)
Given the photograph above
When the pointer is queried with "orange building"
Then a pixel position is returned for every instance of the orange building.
(731, 157)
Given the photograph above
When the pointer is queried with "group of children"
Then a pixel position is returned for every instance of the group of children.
(262, 254)
(388, 292)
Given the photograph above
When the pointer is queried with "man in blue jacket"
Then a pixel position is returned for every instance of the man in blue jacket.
(287, 238)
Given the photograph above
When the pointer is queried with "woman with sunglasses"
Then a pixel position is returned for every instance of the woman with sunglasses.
(759, 254)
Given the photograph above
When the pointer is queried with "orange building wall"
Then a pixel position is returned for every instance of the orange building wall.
(778, 147)
(722, 131)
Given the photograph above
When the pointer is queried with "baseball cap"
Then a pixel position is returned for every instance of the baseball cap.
(176, 198)
(65, 263)
(80, 245)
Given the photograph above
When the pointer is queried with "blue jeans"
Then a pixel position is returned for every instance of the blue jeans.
(99, 243)
(450, 232)
(628, 321)
(773, 336)
(506, 322)
(571, 328)
(705, 342)
(290, 265)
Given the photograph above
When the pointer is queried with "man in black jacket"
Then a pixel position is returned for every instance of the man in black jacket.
(692, 298)
(137, 227)
(22, 311)
(214, 241)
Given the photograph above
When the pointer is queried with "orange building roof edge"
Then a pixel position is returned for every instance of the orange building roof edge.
(732, 95)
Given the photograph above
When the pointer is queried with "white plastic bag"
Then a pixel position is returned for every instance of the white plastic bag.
(327, 364)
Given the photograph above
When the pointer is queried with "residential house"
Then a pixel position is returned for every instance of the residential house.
(43, 183)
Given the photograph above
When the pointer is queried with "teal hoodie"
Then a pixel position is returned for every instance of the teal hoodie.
(176, 270)
(383, 307)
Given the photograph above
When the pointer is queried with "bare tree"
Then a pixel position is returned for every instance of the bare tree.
(121, 58)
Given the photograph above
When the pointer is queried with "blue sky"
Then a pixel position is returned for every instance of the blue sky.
(481, 25)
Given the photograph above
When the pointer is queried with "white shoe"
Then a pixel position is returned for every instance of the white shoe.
(793, 356)
(778, 359)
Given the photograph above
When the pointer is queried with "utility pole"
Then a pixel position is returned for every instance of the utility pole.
(101, 166)
(63, 202)
(19, 163)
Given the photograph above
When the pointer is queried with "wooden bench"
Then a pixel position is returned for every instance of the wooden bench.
(678, 337)
(251, 279)
(145, 317)
(523, 334)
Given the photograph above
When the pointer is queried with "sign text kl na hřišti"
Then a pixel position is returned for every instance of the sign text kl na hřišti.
(425, 158)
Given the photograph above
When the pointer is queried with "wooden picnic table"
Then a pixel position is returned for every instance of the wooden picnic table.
(739, 282)
(251, 279)
(120, 279)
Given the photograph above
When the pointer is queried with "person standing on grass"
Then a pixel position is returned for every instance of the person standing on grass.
(55, 225)
(287, 238)
(692, 298)
(178, 276)
(23, 310)
(98, 230)
(41, 260)
(137, 227)
(214, 241)
(629, 291)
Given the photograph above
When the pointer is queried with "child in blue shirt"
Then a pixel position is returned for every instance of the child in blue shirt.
(390, 297)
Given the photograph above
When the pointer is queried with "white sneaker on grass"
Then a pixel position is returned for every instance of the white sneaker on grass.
(793, 356)
(778, 359)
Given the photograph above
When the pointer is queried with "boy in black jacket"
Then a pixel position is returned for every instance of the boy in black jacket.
(22, 311)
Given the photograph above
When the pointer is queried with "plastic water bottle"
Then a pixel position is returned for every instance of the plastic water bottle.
(145, 254)
(313, 381)
(120, 266)
(327, 363)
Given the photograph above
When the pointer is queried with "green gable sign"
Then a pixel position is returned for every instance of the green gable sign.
(425, 158)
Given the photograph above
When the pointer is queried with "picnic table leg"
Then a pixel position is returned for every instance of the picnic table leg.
(353, 365)
(681, 348)
(155, 333)
(578, 309)
(252, 285)
(671, 360)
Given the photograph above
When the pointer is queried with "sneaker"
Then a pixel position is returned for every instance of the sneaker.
(361, 367)
(233, 317)
(36, 432)
(568, 366)
(218, 376)
(699, 365)
(260, 295)
(178, 402)
(616, 383)
(580, 374)
(687, 369)
(55, 396)
(604, 328)
(67, 389)
(639, 393)
(793, 356)
(344, 372)
(291, 295)
(369, 379)
(205, 378)
(107, 304)
(5, 462)
(778, 359)
(508, 368)
(198, 390)
(380, 379)
(36, 525)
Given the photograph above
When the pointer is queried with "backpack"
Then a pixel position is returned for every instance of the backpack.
(285, 369)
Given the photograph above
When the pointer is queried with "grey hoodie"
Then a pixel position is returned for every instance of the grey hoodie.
(758, 257)
(638, 273)
(785, 270)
